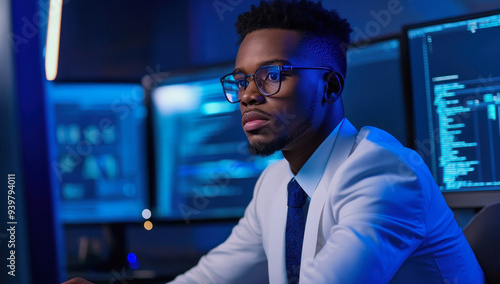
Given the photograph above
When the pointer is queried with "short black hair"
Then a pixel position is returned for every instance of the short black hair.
(323, 32)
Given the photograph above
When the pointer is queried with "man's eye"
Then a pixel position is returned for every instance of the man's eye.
(240, 84)
(273, 76)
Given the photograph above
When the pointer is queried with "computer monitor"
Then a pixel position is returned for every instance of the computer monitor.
(199, 160)
(97, 151)
(454, 83)
(373, 93)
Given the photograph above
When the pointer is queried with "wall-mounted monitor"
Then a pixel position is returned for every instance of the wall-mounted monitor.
(199, 160)
(97, 151)
(454, 83)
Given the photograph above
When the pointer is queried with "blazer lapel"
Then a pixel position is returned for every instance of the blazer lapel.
(276, 246)
(341, 150)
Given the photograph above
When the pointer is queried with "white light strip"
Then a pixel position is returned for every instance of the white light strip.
(53, 36)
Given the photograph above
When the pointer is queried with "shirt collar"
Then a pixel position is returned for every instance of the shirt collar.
(311, 172)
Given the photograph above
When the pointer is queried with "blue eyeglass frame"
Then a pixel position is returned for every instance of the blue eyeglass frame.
(281, 69)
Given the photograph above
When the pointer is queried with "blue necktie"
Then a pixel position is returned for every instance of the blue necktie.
(295, 225)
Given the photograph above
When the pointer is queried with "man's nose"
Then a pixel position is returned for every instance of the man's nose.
(251, 95)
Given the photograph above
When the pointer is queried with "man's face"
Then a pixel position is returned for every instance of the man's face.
(285, 120)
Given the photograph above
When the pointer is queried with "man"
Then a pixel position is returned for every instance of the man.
(373, 213)
(343, 206)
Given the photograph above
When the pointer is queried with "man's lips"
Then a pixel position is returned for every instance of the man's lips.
(254, 119)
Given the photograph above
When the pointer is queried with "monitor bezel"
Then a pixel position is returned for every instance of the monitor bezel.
(457, 199)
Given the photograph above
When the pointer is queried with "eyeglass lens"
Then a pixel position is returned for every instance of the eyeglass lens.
(267, 79)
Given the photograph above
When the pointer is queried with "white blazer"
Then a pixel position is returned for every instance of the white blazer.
(376, 216)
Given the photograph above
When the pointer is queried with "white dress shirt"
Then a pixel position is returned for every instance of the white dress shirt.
(375, 216)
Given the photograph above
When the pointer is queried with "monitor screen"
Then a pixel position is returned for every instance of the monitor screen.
(373, 93)
(97, 151)
(454, 82)
(201, 165)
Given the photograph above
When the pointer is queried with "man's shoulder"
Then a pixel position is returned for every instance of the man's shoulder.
(378, 167)
(378, 142)
(374, 146)
(377, 136)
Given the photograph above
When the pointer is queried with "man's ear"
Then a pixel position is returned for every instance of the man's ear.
(335, 87)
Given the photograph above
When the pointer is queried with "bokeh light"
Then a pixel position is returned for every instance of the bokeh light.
(132, 258)
(148, 225)
(146, 213)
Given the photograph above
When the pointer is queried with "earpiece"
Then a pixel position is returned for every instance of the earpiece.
(335, 87)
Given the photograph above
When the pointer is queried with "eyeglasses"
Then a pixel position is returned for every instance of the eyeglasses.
(266, 78)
